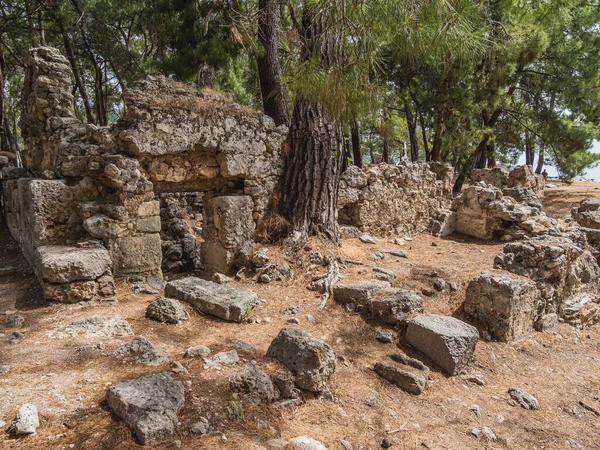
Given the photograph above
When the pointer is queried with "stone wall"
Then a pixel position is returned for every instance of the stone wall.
(520, 176)
(390, 200)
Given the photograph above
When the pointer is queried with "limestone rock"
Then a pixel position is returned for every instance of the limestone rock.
(64, 264)
(227, 303)
(199, 351)
(148, 405)
(357, 293)
(254, 385)
(408, 374)
(166, 310)
(506, 305)
(225, 358)
(26, 420)
(394, 305)
(523, 398)
(311, 360)
(141, 351)
(447, 341)
(105, 326)
(305, 443)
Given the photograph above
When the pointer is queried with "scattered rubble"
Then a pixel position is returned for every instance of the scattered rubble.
(408, 374)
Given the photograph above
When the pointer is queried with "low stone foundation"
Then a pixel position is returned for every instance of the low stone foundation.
(520, 176)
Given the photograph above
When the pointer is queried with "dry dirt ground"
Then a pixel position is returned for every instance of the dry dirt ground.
(66, 375)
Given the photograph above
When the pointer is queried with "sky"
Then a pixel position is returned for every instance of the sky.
(592, 174)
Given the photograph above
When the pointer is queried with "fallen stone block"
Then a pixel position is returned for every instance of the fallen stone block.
(227, 303)
(394, 305)
(448, 342)
(357, 293)
(148, 405)
(63, 264)
(408, 374)
(506, 305)
(166, 310)
(311, 360)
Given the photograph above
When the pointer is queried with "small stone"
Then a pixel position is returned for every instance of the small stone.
(200, 351)
(290, 311)
(476, 432)
(523, 398)
(142, 288)
(294, 321)
(476, 410)
(266, 279)
(243, 346)
(156, 283)
(387, 337)
(453, 286)
(167, 310)
(141, 351)
(219, 278)
(16, 337)
(26, 420)
(386, 443)
(366, 239)
(347, 445)
(260, 258)
(434, 244)
(439, 284)
(200, 427)
(225, 358)
(488, 433)
(177, 367)
(284, 269)
(310, 318)
(428, 292)
(4, 369)
(374, 401)
(15, 321)
(305, 443)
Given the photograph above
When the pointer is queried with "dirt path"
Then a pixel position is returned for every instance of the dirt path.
(66, 374)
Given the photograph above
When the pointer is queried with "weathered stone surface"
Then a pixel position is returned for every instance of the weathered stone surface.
(497, 176)
(137, 254)
(106, 326)
(77, 291)
(506, 305)
(227, 303)
(447, 341)
(148, 405)
(311, 360)
(587, 214)
(561, 269)
(26, 420)
(523, 398)
(387, 200)
(226, 358)
(520, 176)
(228, 230)
(166, 310)
(63, 264)
(305, 443)
(359, 293)
(141, 351)
(393, 305)
(199, 351)
(254, 385)
(408, 374)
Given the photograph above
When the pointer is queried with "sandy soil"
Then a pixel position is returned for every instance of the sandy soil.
(66, 374)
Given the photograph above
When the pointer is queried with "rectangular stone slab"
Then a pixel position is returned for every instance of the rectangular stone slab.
(64, 264)
(227, 303)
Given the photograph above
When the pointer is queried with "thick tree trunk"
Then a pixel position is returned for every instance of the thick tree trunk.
(355, 137)
(436, 151)
(529, 151)
(385, 154)
(491, 154)
(540, 163)
(312, 173)
(316, 148)
(269, 68)
(411, 122)
(424, 133)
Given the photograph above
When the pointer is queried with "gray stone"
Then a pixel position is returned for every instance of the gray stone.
(200, 427)
(374, 400)
(156, 282)
(408, 374)
(391, 274)
(305, 443)
(225, 358)
(167, 310)
(177, 367)
(243, 346)
(15, 321)
(447, 341)
(141, 288)
(219, 278)
(523, 398)
(260, 257)
(311, 360)
(4, 369)
(106, 326)
(141, 254)
(227, 303)
(358, 293)
(148, 224)
(394, 305)
(387, 337)
(64, 264)
(141, 351)
(284, 381)
(199, 351)
(26, 420)
(366, 239)
(148, 405)
(254, 385)
(439, 284)
(505, 305)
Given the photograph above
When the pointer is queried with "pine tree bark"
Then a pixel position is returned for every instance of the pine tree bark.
(273, 94)
(355, 137)
(316, 149)
(540, 163)
(411, 122)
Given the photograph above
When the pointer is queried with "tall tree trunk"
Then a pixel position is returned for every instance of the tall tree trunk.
(411, 123)
(491, 154)
(424, 133)
(8, 142)
(385, 154)
(436, 151)
(355, 137)
(316, 149)
(269, 68)
(540, 163)
(30, 21)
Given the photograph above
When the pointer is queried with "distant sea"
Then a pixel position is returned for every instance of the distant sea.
(592, 174)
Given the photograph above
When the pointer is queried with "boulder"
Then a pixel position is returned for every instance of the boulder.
(394, 305)
(408, 374)
(63, 264)
(26, 421)
(141, 351)
(357, 293)
(506, 305)
(254, 385)
(227, 303)
(311, 360)
(448, 342)
(166, 310)
(148, 405)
